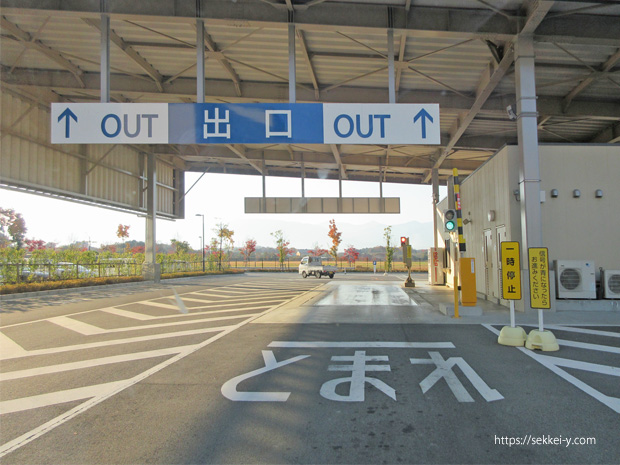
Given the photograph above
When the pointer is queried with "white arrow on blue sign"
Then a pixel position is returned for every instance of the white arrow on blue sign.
(244, 123)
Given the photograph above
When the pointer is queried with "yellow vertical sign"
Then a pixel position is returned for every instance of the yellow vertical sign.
(539, 277)
(511, 271)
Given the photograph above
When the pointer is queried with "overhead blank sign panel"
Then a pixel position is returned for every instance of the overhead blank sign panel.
(245, 123)
(322, 205)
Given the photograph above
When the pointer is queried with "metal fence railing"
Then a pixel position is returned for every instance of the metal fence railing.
(12, 273)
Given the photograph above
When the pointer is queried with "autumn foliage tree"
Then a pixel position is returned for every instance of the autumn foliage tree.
(33, 244)
(122, 232)
(14, 225)
(334, 235)
(248, 249)
(282, 246)
(225, 235)
(317, 252)
(351, 254)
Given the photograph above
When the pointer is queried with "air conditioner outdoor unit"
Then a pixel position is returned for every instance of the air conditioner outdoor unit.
(610, 281)
(575, 279)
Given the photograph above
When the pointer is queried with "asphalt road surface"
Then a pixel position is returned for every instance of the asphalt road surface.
(273, 368)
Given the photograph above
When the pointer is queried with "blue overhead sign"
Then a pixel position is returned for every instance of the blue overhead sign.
(245, 123)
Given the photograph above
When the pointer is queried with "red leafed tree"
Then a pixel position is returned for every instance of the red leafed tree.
(14, 225)
(317, 252)
(248, 249)
(32, 244)
(351, 254)
(334, 235)
(122, 232)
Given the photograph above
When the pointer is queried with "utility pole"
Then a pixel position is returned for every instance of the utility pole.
(202, 240)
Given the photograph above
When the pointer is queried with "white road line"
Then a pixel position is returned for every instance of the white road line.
(9, 348)
(157, 304)
(546, 361)
(236, 302)
(165, 325)
(277, 286)
(245, 296)
(583, 366)
(584, 331)
(59, 420)
(611, 402)
(182, 322)
(491, 328)
(75, 325)
(143, 317)
(585, 345)
(246, 301)
(94, 362)
(94, 345)
(59, 397)
(368, 344)
(190, 299)
(133, 315)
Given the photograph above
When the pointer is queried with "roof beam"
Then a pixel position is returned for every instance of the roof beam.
(535, 15)
(341, 167)
(28, 41)
(488, 81)
(441, 21)
(239, 150)
(609, 135)
(210, 44)
(62, 83)
(306, 55)
(130, 52)
(604, 69)
(401, 58)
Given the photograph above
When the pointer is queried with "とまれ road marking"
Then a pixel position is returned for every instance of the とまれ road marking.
(229, 389)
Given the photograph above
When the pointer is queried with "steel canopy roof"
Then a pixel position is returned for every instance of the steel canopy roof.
(455, 53)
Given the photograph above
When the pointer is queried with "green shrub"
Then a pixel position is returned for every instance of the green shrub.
(65, 284)
(73, 283)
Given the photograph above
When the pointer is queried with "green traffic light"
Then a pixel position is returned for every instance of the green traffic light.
(450, 225)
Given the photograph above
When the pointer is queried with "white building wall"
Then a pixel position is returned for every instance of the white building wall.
(584, 228)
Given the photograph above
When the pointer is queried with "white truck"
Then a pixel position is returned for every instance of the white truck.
(313, 266)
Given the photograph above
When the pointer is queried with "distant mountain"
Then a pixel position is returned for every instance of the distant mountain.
(305, 236)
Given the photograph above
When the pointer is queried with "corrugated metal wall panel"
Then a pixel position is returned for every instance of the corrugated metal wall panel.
(27, 159)
(26, 155)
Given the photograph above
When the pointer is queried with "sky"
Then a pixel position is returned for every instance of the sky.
(220, 197)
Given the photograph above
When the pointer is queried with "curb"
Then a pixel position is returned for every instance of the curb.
(99, 287)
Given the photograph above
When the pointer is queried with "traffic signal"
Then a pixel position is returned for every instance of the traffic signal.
(449, 220)
(404, 243)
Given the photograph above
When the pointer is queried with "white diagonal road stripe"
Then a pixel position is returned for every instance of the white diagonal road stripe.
(75, 325)
(10, 348)
(94, 362)
(59, 397)
(93, 345)
(143, 317)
